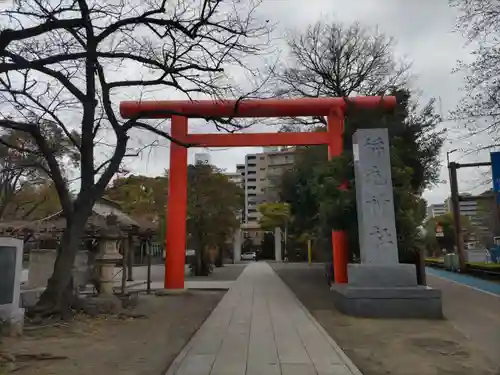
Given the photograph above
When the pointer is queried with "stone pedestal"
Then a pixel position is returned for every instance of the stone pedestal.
(380, 286)
(11, 259)
(277, 244)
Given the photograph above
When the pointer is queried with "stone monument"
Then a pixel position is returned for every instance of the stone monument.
(380, 286)
(11, 259)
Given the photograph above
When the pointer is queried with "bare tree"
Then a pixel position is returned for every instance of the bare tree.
(338, 60)
(24, 168)
(479, 110)
(70, 62)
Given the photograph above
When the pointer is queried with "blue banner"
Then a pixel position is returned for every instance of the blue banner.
(495, 170)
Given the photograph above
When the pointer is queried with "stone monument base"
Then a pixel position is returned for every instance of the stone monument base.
(12, 322)
(386, 291)
(418, 302)
(382, 276)
(170, 292)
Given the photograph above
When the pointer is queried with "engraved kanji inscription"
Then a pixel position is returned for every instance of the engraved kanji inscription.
(374, 176)
(378, 204)
(382, 236)
(376, 145)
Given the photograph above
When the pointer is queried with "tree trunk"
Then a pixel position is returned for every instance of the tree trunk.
(420, 267)
(59, 296)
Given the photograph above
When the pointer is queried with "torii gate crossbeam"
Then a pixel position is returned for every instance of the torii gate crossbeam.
(180, 111)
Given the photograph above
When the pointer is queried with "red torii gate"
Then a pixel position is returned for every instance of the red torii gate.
(180, 111)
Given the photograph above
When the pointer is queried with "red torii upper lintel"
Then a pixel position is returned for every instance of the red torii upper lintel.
(249, 107)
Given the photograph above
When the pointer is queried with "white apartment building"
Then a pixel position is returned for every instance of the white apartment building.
(235, 177)
(469, 209)
(434, 210)
(262, 173)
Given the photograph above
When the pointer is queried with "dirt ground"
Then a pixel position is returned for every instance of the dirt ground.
(229, 272)
(116, 346)
(383, 347)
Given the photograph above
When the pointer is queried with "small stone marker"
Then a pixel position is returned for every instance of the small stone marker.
(11, 258)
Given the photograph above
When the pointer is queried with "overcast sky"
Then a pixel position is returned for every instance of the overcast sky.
(424, 30)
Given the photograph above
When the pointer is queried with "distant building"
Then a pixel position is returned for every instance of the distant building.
(472, 209)
(235, 177)
(468, 209)
(202, 158)
(261, 175)
(434, 210)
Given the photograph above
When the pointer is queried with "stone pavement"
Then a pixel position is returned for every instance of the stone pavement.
(260, 328)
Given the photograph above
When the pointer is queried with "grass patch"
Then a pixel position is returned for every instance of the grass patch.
(434, 260)
(489, 266)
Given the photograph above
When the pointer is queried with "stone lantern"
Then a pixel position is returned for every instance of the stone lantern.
(108, 256)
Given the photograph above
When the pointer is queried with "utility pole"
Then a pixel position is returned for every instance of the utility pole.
(455, 208)
(455, 205)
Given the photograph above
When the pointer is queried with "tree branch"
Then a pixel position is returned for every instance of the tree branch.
(8, 35)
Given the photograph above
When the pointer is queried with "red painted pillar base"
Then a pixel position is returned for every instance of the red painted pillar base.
(340, 245)
(340, 256)
(175, 244)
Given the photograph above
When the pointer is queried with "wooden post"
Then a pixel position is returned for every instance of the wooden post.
(455, 205)
(147, 245)
(309, 252)
(420, 267)
(124, 265)
(130, 258)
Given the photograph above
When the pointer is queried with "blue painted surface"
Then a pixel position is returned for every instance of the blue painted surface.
(495, 172)
(484, 285)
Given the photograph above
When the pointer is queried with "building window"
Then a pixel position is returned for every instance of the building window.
(252, 180)
(251, 157)
(252, 172)
(263, 169)
(252, 165)
(252, 195)
(252, 210)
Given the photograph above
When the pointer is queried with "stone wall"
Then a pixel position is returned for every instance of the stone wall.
(41, 266)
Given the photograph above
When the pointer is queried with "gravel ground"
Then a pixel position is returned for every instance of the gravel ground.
(383, 347)
(114, 346)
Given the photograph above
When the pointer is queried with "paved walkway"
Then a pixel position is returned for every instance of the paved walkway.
(260, 328)
(471, 281)
(474, 312)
